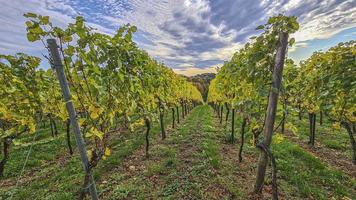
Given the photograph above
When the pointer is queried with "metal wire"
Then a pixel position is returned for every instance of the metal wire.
(25, 163)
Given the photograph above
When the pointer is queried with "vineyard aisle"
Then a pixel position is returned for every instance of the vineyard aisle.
(180, 167)
(196, 162)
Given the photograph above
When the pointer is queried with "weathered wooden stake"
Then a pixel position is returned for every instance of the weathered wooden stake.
(57, 64)
(272, 108)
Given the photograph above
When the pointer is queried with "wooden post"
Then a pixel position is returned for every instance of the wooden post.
(233, 126)
(173, 118)
(161, 120)
(57, 64)
(227, 112)
(243, 125)
(177, 108)
(221, 113)
(271, 109)
(148, 125)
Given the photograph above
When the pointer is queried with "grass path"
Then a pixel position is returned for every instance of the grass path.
(194, 162)
(179, 167)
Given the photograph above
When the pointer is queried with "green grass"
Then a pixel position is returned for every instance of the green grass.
(168, 162)
(189, 164)
(301, 175)
(209, 145)
(210, 150)
(325, 134)
(55, 179)
(44, 150)
(310, 177)
(175, 178)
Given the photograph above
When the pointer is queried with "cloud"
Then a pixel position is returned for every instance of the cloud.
(191, 71)
(326, 19)
(298, 45)
(13, 31)
(188, 35)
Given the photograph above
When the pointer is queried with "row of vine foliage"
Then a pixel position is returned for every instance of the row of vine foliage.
(114, 84)
(324, 83)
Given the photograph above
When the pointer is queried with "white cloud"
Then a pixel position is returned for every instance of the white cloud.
(191, 71)
(297, 45)
(181, 33)
(13, 30)
(325, 25)
(318, 19)
(153, 17)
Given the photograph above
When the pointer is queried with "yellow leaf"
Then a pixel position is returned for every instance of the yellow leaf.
(16, 142)
(111, 116)
(62, 112)
(32, 127)
(90, 154)
(94, 115)
(95, 111)
(292, 128)
(81, 121)
(107, 152)
(95, 132)
(278, 138)
(6, 115)
(23, 122)
(336, 125)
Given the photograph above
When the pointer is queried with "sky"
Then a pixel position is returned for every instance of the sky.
(190, 36)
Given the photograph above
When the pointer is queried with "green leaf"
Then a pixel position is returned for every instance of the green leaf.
(45, 20)
(79, 22)
(119, 63)
(133, 29)
(69, 51)
(294, 24)
(260, 27)
(30, 15)
(271, 20)
(121, 76)
(67, 38)
(32, 37)
(291, 41)
(29, 24)
(96, 69)
(36, 29)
